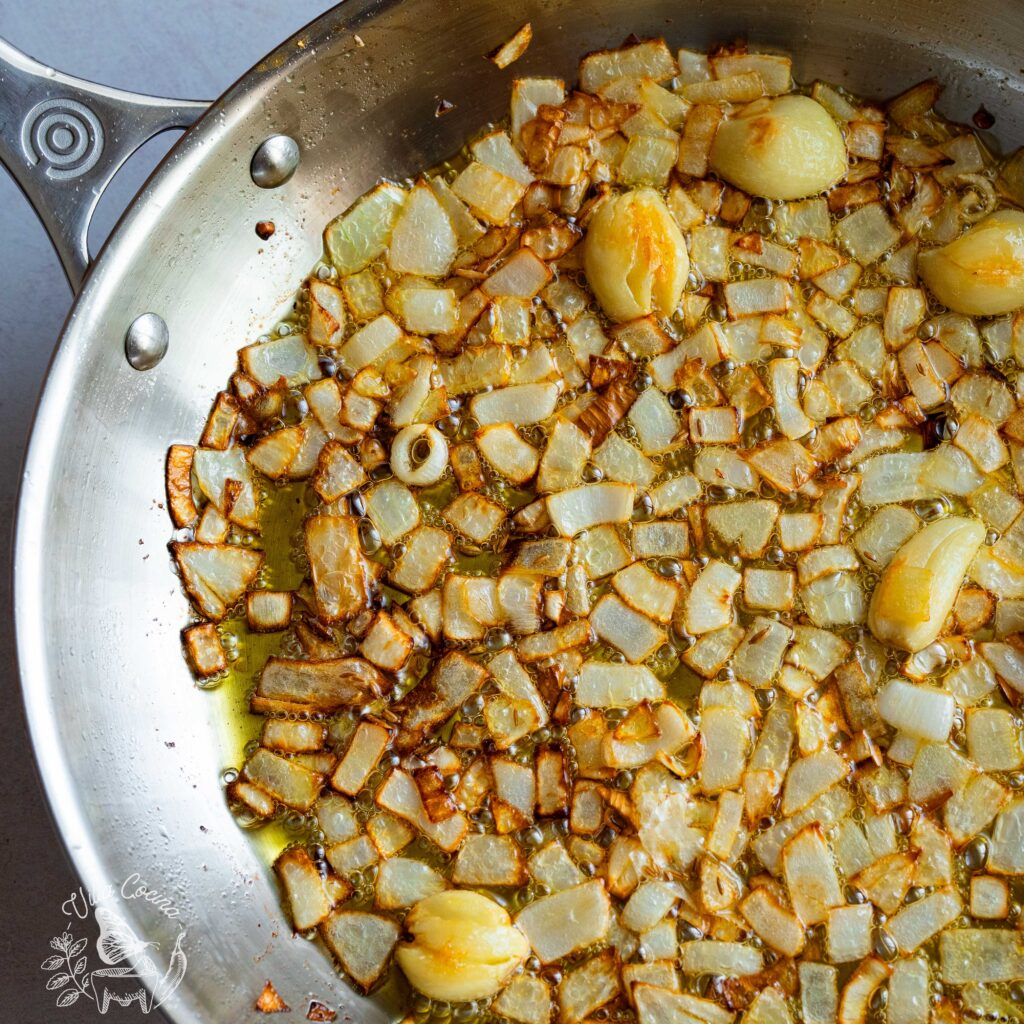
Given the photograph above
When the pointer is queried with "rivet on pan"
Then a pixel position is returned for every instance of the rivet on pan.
(274, 161)
(146, 340)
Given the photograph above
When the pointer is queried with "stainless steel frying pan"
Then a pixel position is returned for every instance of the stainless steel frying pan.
(129, 750)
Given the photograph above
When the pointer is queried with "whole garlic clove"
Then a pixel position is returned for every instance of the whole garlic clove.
(920, 584)
(783, 148)
(982, 272)
(635, 256)
(463, 946)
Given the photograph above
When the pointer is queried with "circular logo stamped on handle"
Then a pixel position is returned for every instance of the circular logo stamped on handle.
(63, 135)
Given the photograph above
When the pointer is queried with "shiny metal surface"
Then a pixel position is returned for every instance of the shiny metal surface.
(146, 341)
(130, 750)
(274, 161)
(64, 139)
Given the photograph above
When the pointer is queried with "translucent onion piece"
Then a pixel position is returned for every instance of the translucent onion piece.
(409, 465)
(361, 942)
(566, 921)
(359, 236)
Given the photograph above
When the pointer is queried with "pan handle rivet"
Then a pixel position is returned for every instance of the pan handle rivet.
(146, 340)
(274, 161)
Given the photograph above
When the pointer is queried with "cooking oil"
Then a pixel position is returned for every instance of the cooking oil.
(283, 510)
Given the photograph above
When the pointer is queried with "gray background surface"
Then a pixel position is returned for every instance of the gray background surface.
(184, 48)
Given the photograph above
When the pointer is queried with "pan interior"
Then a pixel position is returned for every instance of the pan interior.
(129, 749)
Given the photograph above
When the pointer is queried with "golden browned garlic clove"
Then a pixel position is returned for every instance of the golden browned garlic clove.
(463, 946)
(635, 256)
(920, 584)
(783, 148)
(982, 272)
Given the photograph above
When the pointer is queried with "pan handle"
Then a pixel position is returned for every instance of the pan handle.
(63, 140)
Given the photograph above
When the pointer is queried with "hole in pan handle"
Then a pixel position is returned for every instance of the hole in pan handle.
(63, 139)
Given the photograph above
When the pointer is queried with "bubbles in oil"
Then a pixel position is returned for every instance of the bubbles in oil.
(285, 507)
